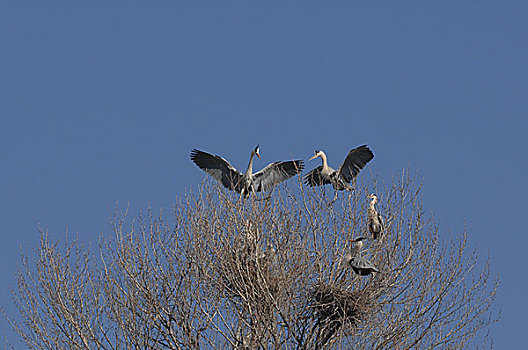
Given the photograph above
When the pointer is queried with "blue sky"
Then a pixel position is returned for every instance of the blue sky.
(103, 103)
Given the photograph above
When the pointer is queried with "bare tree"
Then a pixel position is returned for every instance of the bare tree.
(264, 273)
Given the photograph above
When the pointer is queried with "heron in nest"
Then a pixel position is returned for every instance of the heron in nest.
(359, 265)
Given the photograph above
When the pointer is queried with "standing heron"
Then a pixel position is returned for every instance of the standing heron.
(232, 179)
(375, 220)
(340, 178)
(361, 266)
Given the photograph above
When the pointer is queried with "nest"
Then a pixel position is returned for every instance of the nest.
(334, 308)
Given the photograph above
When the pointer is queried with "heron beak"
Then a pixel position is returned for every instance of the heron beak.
(258, 155)
(315, 156)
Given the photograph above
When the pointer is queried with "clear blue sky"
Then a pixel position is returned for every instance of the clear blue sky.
(103, 103)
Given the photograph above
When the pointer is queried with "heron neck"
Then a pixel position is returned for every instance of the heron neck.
(325, 163)
(372, 204)
(348, 255)
(356, 249)
(249, 170)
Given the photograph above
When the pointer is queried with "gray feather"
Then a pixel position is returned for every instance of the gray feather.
(275, 173)
(316, 178)
(354, 162)
(362, 266)
(218, 168)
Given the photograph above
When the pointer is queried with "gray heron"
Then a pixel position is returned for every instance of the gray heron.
(340, 178)
(232, 179)
(375, 220)
(359, 265)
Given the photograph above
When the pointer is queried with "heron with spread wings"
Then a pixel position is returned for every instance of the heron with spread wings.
(340, 178)
(246, 183)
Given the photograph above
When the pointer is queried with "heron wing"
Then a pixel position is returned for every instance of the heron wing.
(375, 224)
(382, 224)
(354, 162)
(275, 173)
(362, 264)
(316, 177)
(218, 168)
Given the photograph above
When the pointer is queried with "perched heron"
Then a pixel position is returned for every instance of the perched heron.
(375, 220)
(230, 178)
(340, 178)
(361, 266)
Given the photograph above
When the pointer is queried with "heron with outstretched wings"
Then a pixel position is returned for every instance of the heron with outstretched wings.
(234, 180)
(340, 178)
